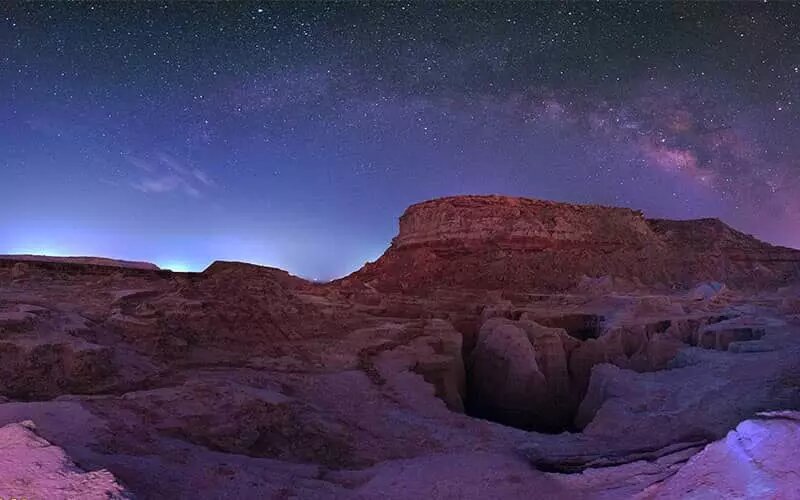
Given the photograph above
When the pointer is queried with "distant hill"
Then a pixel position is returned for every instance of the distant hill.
(97, 261)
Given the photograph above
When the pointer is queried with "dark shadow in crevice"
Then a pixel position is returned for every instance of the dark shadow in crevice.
(580, 326)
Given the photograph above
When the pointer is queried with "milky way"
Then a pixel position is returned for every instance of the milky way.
(294, 134)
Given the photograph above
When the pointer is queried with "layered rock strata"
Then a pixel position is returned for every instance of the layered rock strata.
(497, 242)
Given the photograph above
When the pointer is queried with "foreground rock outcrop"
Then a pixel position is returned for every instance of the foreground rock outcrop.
(756, 460)
(30, 467)
(500, 347)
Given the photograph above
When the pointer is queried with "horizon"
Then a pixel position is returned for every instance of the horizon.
(179, 265)
(293, 134)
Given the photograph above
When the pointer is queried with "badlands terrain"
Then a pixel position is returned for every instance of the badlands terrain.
(500, 348)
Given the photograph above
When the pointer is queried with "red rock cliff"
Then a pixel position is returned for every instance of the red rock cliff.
(492, 242)
(518, 222)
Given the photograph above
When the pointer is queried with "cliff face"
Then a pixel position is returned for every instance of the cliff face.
(475, 221)
(490, 242)
(91, 261)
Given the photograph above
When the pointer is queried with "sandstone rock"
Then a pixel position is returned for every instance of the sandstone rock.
(472, 476)
(707, 291)
(501, 309)
(256, 422)
(690, 400)
(36, 369)
(554, 376)
(30, 467)
(657, 306)
(16, 321)
(445, 367)
(496, 242)
(435, 353)
(756, 460)
(721, 335)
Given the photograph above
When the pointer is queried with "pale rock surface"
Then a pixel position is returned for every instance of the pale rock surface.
(707, 291)
(758, 459)
(32, 468)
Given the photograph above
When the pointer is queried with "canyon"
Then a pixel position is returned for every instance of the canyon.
(499, 346)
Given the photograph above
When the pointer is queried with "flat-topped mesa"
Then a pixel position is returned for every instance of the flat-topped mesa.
(34, 265)
(499, 242)
(519, 223)
(90, 261)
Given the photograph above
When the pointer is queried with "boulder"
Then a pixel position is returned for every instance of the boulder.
(510, 243)
(41, 368)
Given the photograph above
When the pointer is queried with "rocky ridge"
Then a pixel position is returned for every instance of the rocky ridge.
(498, 242)
(94, 261)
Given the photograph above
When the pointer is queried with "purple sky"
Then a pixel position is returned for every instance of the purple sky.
(295, 134)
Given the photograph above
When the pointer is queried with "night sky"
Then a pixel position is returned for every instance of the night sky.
(294, 135)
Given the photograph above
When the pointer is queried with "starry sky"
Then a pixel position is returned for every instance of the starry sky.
(295, 134)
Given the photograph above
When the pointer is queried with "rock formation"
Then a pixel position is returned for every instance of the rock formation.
(30, 467)
(756, 460)
(520, 375)
(495, 242)
(95, 261)
(500, 346)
